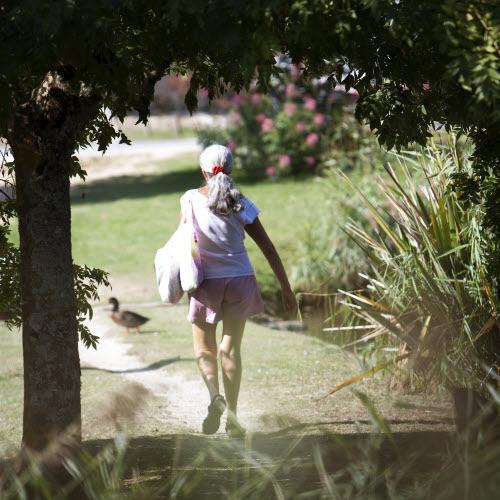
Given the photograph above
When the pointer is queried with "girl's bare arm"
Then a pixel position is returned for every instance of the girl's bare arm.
(257, 232)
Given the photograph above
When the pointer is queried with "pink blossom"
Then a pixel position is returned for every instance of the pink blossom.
(178, 82)
(271, 170)
(204, 92)
(260, 117)
(319, 118)
(224, 103)
(255, 99)
(312, 139)
(296, 73)
(310, 104)
(231, 145)
(300, 126)
(311, 161)
(267, 125)
(237, 100)
(291, 90)
(284, 160)
(341, 88)
(289, 109)
(234, 117)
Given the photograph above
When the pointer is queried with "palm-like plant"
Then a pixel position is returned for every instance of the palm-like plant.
(428, 286)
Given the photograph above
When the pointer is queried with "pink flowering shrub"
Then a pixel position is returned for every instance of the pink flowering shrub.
(291, 90)
(310, 104)
(271, 170)
(260, 117)
(312, 139)
(234, 117)
(310, 161)
(319, 119)
(255, 98)
(298, 127)
(284, 161)
(289, 108)
(267, 125)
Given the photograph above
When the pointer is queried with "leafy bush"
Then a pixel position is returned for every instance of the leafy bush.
(327, 257)
(86, 279)
(298, 127)
(427, 287)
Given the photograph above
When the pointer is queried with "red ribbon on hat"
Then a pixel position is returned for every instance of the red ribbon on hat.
(217, 170)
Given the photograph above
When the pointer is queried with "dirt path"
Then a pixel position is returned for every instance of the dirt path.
(184, 410)
(179, 453)
(141, 156)
(181, 399)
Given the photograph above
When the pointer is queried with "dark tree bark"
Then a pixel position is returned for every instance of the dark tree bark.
(42, 137)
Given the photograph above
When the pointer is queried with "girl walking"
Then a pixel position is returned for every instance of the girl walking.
(229, 292)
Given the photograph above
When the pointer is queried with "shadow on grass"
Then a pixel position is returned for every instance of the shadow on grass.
(150, 185)
(395, 421)
(197, 466)
(136, 186)
(153, 366)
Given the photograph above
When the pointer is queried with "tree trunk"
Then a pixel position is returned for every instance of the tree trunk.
(42, 137)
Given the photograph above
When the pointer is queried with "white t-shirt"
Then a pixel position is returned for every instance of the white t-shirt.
(220, 237)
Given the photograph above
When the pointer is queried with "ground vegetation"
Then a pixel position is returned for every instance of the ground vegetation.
(413, 64)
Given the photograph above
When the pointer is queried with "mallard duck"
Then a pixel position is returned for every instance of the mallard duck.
(126, 318)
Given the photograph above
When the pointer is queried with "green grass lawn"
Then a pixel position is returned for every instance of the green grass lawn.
(11, 387)
(284, 374)
(119, 223)
(11, 393)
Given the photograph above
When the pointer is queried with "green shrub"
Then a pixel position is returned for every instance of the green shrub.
(427, 286)
(298, 127)
(327, 256)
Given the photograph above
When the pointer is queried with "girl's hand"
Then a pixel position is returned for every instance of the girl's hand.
(289, 301)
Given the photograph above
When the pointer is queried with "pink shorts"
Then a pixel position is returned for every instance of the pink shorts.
(225, 298)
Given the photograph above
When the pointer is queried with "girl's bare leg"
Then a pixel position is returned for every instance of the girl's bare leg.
(230, 358)
(205, 352)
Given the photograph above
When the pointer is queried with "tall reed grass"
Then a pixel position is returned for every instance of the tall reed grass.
(427, 287)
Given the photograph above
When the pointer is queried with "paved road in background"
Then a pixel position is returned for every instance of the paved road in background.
(151, 149)
(157, 147)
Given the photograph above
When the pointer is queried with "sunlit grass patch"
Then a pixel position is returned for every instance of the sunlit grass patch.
(118, 223)
(284, 374)
(11, 388)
